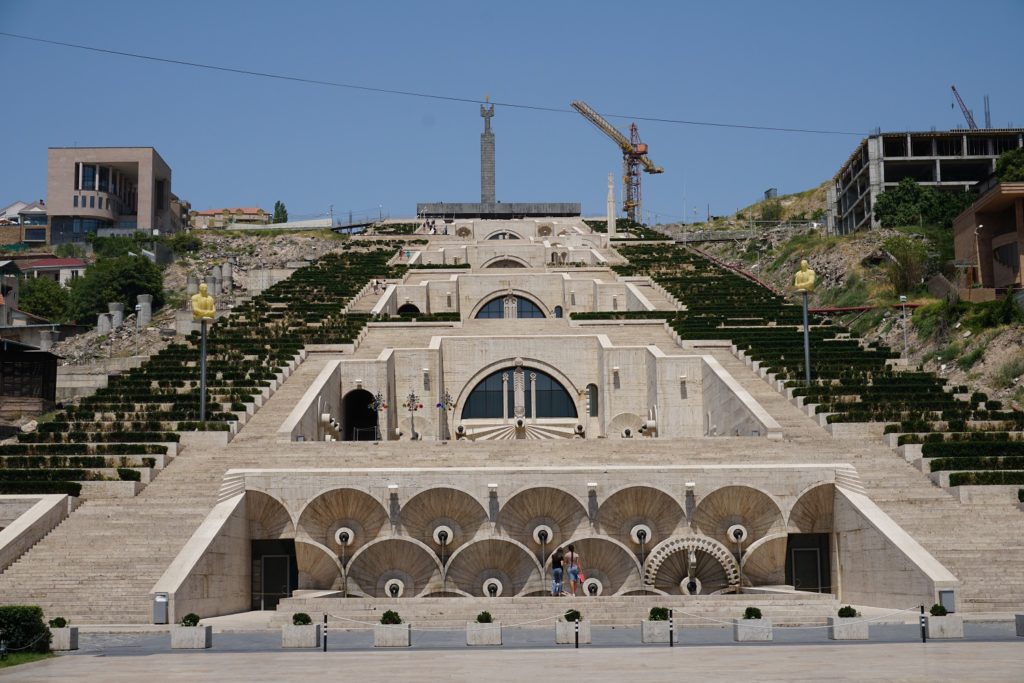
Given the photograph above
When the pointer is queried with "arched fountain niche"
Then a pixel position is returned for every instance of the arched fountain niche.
(493, 562)
(394, 568)
(640, 517)
(442, 518)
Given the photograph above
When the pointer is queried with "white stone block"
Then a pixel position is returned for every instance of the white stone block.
(64, 639)
(565, 632)
(392, 635)
(191, 637)
(751, 630)
(653, 631)
(847, 628)
(301, 636)
(483, 634)
(949, 626)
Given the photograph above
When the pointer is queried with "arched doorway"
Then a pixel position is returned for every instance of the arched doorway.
(358, 419)
(558, 311)
(408, 309)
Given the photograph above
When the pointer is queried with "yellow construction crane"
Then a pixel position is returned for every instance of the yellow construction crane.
(634, 155)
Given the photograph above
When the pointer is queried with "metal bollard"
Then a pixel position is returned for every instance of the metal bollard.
(578, 633)
(671, 629)
(325, 631)
(924, 631)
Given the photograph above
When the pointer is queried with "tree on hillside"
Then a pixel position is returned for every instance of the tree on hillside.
(771, 211)
(911, 204)
(280, 212)
(44, 297)
(908, 265)
(121, 278)
(1010, 166)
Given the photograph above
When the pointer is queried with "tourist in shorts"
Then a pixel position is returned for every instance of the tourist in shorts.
(556, 573)
(571, 560)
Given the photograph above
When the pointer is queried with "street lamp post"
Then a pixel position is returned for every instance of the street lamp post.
(903, 303)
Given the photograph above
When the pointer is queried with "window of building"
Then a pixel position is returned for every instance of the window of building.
(485, 401)
(92, 201)
(88, 177)
(160, 192)
(495, 308)
(35, 234)
(558, 311)
(504, 236)
(104, 179)
(74, 201)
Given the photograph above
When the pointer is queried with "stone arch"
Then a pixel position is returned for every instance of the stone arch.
(814, 510)
(319, 568)
(408, 308)
(764, 562)
(632, 505)
(343, 507)
(498, 558)
(738, 504)
(606, 559)
(500, 294)
(451, 507)
(504, 233)
(396, 557)
(704, 544)
(554, 507)
(268, 516)
(505, 261)
(490, 368)
(358, 421)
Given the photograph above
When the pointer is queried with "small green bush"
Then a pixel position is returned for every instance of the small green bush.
(752, 613)
(23, 628)
(938, 610)
(190, 619)
(848, 611)
(301, 619)
(1020, 495)
(128, 474)
(573, 615)
(58, 622)
(390, 617)
(658, 614)
(484, 618)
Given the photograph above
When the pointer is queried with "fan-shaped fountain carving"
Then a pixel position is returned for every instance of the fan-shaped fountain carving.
(814, 512)
(338, 508)
(268, 518)
(318, 569)
(744, 505)
(442, 506)
(394, 558)
(508, 562)
(525, 511)
(622, 511)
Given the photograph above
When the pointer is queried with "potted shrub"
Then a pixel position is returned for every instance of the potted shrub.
(654, 629)
(483, 631)
(391, 632)
(940, 624)
(752, 627)
(65, 637)
(189, 635)
(302, 632)
(847, 626)
(565, 628)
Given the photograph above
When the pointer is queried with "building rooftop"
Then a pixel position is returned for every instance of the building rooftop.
(36, 263)
(242, 210)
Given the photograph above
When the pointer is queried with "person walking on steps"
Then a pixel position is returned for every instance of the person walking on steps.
(571, 560)
(556, 573)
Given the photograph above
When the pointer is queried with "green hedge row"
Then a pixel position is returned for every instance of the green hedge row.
(958, 449)
(994, 478)
(1010, 462)
(71, 488)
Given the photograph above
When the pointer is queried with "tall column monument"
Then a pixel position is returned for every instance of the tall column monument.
(611, 206)
(487, 194)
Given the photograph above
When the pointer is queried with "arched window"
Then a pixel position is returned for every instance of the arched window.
(558, 311)
(505, 263)
(496, 394)
(504, 236)
(592, 400)
(495, 308)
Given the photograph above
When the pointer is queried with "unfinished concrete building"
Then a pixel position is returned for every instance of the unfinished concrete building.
(950, 160)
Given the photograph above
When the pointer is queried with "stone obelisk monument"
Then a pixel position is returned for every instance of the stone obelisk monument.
(611, 206)
(487, 194)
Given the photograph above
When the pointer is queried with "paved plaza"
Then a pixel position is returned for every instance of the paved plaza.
(989, 653)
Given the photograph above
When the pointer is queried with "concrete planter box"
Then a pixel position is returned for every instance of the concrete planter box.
(392, 635)
(1019, 621)
(847, 628)
(191, 637)
(751, 630)
(653, 631)
(565, 632)
(64, 639)
(483, 634)
(949, 626)
(301, 636)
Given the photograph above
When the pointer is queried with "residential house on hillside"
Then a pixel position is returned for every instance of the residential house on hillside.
(61, 270)
(222, 218)
(9, 213)
(9, 275)
(988, 241)
(34, 223)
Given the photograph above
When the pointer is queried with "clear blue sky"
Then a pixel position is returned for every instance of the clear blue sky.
(236, 140)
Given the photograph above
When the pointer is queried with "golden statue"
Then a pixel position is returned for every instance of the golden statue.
(202, 304)
(804, 280)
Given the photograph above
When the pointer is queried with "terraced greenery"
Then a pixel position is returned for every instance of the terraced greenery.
(851, 380)
(118, 431)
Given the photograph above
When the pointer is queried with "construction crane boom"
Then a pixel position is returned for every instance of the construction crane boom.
(963, 107)
(634, 155)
